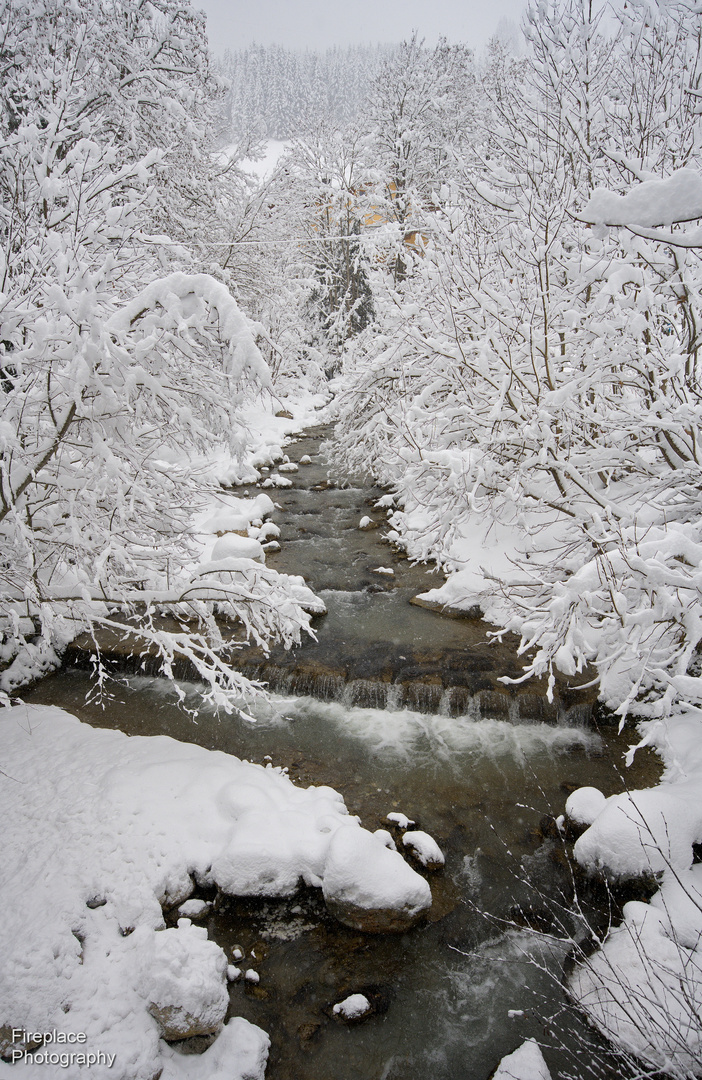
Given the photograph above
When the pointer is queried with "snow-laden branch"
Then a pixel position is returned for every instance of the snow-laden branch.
(674, 200)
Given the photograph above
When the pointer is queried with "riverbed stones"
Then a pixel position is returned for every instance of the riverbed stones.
(369, 887)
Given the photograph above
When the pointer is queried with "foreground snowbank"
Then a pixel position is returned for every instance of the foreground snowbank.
(99, 831)
(526, 1063)
(643, 988)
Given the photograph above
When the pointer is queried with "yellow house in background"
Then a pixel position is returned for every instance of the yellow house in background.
(373, 216)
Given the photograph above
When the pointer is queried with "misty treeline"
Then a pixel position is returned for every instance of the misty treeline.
(276, 92)
(497, 359)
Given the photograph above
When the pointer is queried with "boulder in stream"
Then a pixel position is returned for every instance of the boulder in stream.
(369, 887)
(424, 848)
(185, 982)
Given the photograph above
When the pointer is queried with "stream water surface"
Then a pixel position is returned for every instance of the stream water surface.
(408, 715)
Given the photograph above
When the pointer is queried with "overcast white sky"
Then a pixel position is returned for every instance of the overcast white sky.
(318, 24)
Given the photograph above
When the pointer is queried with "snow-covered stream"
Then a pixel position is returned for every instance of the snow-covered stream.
(480, 788)
(450, 997)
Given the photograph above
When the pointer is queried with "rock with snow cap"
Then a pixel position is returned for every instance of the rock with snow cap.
(424, 848)
(369, 887)
(184, 982)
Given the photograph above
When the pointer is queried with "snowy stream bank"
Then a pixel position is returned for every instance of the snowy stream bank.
(474, 766)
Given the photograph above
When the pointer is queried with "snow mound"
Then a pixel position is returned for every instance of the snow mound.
(643, 991)
(643, 987)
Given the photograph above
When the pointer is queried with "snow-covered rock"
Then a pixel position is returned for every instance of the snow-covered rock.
(642, 832)
(276, 481)
(388, 896)
(424, 848)
(232, 546)
(184, 981)
(354, 1007)
(526, 1063)
(240, 1052)
(194, 909)
(583, 806)
(401, 820)
(229, 513)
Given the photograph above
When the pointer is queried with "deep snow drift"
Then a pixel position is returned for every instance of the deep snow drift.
(100, 830)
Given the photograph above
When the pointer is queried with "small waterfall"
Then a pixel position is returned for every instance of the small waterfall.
(366, 693)
(423, 695)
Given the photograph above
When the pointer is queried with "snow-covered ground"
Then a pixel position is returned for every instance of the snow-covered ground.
(643, 987)
(101, 832)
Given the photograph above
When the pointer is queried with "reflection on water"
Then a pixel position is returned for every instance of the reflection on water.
(443, 993)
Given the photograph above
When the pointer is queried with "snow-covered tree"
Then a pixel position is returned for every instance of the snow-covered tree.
(116, 370)
(540, 378)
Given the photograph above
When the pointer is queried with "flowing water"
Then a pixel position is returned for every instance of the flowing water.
(478, 766)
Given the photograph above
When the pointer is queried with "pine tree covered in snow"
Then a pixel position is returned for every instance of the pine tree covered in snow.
(280, 93)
